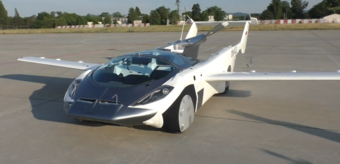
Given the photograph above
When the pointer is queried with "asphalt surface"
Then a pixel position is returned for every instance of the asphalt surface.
(256, 122)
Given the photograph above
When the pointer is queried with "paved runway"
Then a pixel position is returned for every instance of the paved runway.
(256, 122)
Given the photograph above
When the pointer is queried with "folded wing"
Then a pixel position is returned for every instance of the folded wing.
(261, 76)
(60, 63)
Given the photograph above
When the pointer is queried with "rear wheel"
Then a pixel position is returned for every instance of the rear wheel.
(180, 115)
(227, 83)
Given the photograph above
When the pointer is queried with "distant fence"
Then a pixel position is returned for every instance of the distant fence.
(299, 21)
(294, 21)
(104, 26)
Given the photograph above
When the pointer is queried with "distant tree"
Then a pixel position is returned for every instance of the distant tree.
(44, 20)
(286, 11)
(107, 20)
(204, 16)
(266, 15)
(81, 20)
(320, 10)
(137, 11)
(59, 13)
(163, 13)
(246, 17)
(41, 16)
(196, 12)
(188, 13)
(237, 18)
(117, 14)
(332, 3)
(298, 7)
(29, 21)
(275, 8)
(104, 14)
(71, 19)
(17, 20)
(217, 12)
(132, 15)
(60, 22)
(155, 18)
(105, 17)
(9, 22)
(53, 14)
(146, 18)
(219, 15)
(3, 15)
(174, 17)
(92, 18)
(255, 15)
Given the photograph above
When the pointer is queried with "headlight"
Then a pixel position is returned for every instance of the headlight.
(73, 88)
(155, 95)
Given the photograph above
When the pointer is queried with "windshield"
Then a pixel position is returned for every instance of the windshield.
(177, 59)
(131, 70)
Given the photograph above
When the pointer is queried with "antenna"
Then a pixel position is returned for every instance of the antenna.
(185, 16)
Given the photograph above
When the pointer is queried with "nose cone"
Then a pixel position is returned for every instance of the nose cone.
(109, 112)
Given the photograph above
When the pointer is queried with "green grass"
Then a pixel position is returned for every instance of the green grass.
(273, 27)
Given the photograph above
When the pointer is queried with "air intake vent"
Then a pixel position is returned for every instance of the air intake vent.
(87, 100)
(109, 102)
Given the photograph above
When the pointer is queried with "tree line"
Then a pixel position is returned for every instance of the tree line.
(277, 9)
(159, 16)
(296, 9)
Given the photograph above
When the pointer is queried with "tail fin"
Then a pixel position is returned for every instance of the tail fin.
(193, 29)
(194, 25)
(243, 44)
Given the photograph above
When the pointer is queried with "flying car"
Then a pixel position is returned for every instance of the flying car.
(163, 87)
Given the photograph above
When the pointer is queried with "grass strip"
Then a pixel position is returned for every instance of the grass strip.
(271, 27)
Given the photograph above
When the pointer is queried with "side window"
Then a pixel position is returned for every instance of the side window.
(163, 68)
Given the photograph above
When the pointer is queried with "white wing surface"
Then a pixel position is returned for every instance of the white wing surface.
(261, 76)
(252, 21)
(60, 63)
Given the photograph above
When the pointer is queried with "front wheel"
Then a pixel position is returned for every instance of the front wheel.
(180, 115)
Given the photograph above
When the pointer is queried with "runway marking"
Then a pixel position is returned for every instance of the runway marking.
(331, 57)
(328, 55)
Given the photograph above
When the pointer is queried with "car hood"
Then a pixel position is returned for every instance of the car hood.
(89, 91)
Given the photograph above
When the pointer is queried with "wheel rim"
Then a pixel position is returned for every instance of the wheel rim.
(186, 113)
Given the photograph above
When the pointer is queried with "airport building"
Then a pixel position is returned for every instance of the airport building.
(332, 18)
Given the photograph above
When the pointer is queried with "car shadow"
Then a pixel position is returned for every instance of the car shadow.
(235, 93)
(290, 160)
(47, 102)
(322, 133)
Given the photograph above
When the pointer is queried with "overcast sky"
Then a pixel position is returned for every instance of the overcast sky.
(83, 7)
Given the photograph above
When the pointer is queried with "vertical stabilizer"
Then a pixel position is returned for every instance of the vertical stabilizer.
(193, 30)
(244, 39)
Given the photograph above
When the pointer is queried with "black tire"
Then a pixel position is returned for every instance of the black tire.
(171, 116)
(227, 83)
(226, 89)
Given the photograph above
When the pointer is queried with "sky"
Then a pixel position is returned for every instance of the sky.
(83, 7)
